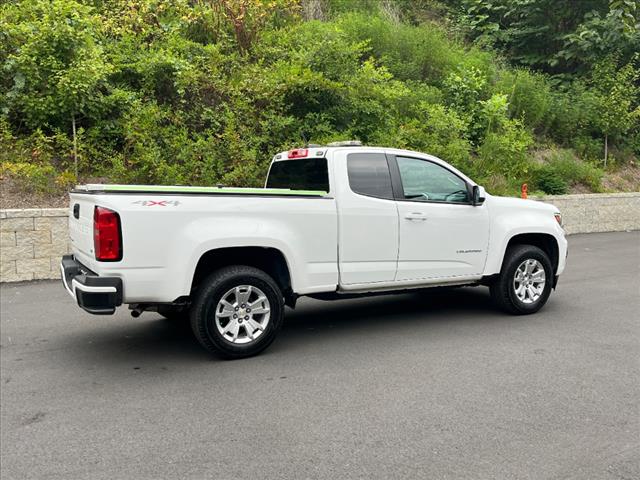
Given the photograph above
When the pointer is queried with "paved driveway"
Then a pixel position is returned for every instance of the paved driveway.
(432, 386)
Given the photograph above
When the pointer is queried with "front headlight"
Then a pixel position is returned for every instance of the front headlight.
(558, 217)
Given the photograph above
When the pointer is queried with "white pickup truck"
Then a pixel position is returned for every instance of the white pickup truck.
(332, 222)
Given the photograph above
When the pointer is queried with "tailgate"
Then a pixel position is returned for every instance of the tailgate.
(81, 228)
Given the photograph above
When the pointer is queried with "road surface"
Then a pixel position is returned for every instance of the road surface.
(434, 386)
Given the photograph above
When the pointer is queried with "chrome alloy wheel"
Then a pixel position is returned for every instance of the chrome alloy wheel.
(242, 314)
(529, 281)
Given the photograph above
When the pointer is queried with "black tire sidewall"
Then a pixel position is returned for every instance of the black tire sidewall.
(203, 311)
(519, 255)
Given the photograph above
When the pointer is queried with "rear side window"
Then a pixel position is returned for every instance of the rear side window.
(369, 174)
(300, 174)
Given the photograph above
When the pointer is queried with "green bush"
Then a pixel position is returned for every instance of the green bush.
(574, 110)
(504, 149)
(588, 148)
(563, 170)
(437, 130)
(529, 97)
(421, 53)
(550, 181)
(505, 152)
(36, 178)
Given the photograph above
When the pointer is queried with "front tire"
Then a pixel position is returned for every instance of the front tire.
(237, 312)
(524, 284)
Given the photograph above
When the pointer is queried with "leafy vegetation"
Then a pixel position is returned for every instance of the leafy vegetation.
(561, 37)
(205, 92)
(562, 171)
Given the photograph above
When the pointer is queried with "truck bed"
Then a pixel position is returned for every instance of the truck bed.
(167, 229)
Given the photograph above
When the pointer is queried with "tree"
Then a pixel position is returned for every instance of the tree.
(54, 65)
(616, 93)
(556, 36)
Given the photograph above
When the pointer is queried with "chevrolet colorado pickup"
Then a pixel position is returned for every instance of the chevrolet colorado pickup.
(332, 222)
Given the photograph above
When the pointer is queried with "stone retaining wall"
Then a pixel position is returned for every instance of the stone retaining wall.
(31, 243)
(598, 212)
(33, 240)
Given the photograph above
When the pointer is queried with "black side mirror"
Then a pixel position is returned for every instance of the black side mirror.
(476, 196)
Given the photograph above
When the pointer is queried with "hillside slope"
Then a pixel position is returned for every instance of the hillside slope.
(169, 93)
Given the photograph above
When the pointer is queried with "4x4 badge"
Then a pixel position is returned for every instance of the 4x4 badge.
(159, 203)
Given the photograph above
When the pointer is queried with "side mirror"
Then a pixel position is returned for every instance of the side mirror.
(477, 195)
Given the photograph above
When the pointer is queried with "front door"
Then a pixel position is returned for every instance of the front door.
(442, 236)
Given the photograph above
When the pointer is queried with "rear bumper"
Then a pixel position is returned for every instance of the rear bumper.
(95, 294)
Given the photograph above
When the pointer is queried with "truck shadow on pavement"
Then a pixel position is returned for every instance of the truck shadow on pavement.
(313, 322)
(393, 312)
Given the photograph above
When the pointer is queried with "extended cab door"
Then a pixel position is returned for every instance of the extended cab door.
(367, 218)
(442, 235)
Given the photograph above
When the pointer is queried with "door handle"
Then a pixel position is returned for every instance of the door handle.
(415, 216)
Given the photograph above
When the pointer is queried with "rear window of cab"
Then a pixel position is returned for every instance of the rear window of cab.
(300, 174)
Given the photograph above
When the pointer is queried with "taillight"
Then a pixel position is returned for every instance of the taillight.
(107, 237)
(298, 153)
(558, 217)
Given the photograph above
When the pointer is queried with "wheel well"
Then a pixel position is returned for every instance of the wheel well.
(545, 242)
(269, 260)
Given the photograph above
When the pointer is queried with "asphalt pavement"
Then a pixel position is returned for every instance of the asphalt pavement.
(424, 385)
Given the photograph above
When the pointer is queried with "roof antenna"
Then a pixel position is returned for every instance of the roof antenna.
(304, 139)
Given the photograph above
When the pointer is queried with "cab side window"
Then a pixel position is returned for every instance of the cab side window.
(369, 174)
(429, 182)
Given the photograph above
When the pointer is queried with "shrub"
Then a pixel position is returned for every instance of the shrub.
(529, 96)
(29, 177)
(38, 148)
(588, 148)
(437, 130)
(550, 181)
(505, 151)
(564, 168)
(574, 110)
(410, 52)
(506, 142)
(464, 89)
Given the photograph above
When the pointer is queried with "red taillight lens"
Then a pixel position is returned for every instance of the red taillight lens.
(107, 235)
(298, 153)
(558, 218)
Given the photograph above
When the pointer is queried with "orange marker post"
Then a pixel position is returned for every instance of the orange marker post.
(523, 190)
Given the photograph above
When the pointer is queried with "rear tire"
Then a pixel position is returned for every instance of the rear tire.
(524, 284)
(237, 312)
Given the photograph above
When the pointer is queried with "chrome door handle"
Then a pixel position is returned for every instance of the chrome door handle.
(415, 216)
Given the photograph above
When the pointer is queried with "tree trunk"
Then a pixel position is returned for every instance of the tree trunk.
(606, 149)
(75, 144)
